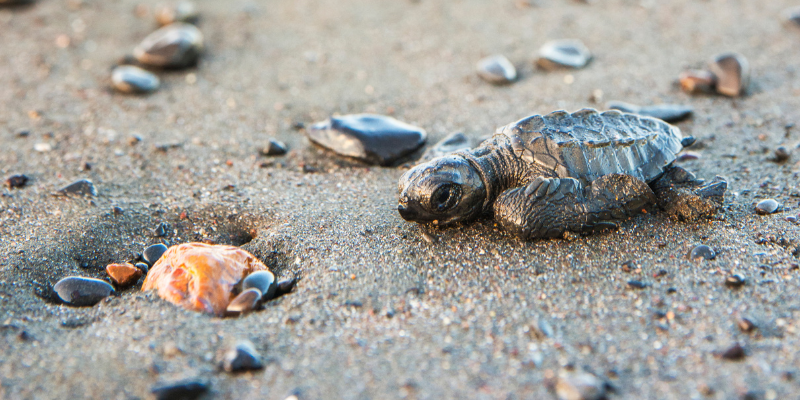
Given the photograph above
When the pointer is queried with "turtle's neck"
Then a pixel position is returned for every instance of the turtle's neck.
(500, 169)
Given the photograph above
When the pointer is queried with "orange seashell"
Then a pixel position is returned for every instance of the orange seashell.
(201, 277)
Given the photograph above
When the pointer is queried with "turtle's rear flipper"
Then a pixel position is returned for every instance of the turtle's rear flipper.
(685, 199)
(551, 207)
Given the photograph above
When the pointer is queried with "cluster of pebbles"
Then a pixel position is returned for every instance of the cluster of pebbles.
(177, 44)
(557, 54)
(727, 74)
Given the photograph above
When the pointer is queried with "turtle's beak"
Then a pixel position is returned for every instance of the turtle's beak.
(407, 212)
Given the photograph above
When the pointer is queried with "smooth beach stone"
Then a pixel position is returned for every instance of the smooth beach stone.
(142, 266)
(697, 81)
(184, 11)
(664, 112)
(782, 154)
(375, 139)
(735, 280)
(702, 251)
(81, 291)
(152, 253)
(767, 206)
(132, 79)
(274, 148)
(733, 73)
(264, 281)
(185, 389)
(82, 187)
(124, 274)
(496, 69)
(242, 357)
(563, 53)
(454, 142)
(244, 302)
(579, 386)
(16, 181)
(176, 45)
(286, 286)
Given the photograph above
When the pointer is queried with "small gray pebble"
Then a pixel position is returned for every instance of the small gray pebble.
(152, 253)
(264, 281)
(767, 206)
(563, 53)
(496, 69)
(782, 154)
(702, 251)
(242, 357)
(132, 79)
(142, 266)
(82, 187)
(664, 112)
(185, 389)
(735, 280)
(82, 291)
(274, 148)
(177, 45)
(285, 286)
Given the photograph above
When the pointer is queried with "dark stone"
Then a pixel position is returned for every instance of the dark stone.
(564, 53)
(185, 389)
(23, 133)
(782, 154)
(767, 206)
(244, 303)
(264, 281)
(132, 79)
(80, 291)
(152, 253)
(734, 353)
(274, 148)
(496, 69)
(375, 139)
(242, 357)
(142, 266)
(82, 187)
(75, 322)
(664, 112)
(450, 144)
(637, 284)
(117, 210)
(177, 45)
(702, 251)
(162, 230)
(791, 17)
(735, 280)
(285, 286)
(16, 181)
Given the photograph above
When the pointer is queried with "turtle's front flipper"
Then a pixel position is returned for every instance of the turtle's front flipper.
(684, 197)
(549, 207)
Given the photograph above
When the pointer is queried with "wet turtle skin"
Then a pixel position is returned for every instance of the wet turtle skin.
(547, 175)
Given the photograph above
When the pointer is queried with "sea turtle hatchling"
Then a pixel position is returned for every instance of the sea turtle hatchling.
(545, 176)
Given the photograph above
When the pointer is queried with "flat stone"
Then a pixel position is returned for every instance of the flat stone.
(702, 251)
(152, 253)
(579, 386)
(132, 79)
(733, 73)
(82, 187)
(563, 53)
(688, 155)
(16, 181)
(244, 302)
(201, 277)
(184, 11)
(274, 148)
(185, 389)
(767, 206)
(734, 353)
(697, 81)
(454, 142)
(496, 69)
(124, 274)
(81, 291)
(375, 139)
(177, 45)
(286, 286)
(664, 112)
(242, 357)
(264, 281)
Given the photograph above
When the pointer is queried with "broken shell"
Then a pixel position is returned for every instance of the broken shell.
(733, 73)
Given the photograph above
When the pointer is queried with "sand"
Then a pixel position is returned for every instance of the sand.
(380, 312)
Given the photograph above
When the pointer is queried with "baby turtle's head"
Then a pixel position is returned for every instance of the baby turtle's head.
(445, 190)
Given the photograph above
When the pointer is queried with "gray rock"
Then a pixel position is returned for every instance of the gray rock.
(264, 281)
(563, 53)
(142, 266)
(153, 252)
(496, 69)
(579, 386)
(732, 72)
(177, 45)
(450, 144)
(767, 206)
(80, 291)
(82, 187)
(782, 154)
(274, 148)
(735, 280)
(286, 286)
(16, 181)
(375, 139)
(185, 389)
(242, 357)
(702, 251)
(664, 112)
(132, 79)
(244, 302)
(184, 11)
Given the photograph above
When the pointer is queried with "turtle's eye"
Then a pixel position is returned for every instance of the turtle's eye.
(444, 197)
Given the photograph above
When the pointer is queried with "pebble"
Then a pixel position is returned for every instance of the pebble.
(16, 181)
(184, 11)
(82, 187)
(81, 291)
(124, 274)
(688, 156)
(454, 142)
(496, 69)
(733, 73)
(132, 79)
(563, 53)
(242, 357)
(746, 325)
(185, 389)
(664, 112)
(176, 45)
(734, 353)
(767, 206)
(579, 386)
(791, 17)
(212, 270)
(735, 280)
(152, 253)
(375, 139)
(142, 266)
(697, 81)
(264, 281)
(782, 154)
(274, 148)
(244, 302)
(637, 284)
(702, 251)
(286, 286)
